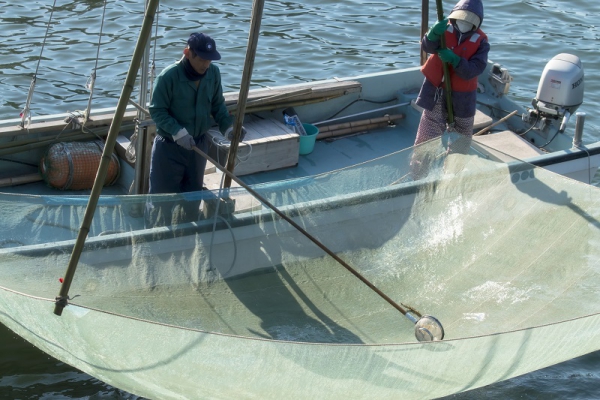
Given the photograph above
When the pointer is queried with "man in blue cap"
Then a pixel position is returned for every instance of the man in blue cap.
(186, 95)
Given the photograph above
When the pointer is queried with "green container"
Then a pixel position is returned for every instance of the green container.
(307, 143)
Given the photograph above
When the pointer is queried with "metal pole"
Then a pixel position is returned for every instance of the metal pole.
(424, 26)
(140, 184)
(579, 122)
(63, 296)
(257, 11)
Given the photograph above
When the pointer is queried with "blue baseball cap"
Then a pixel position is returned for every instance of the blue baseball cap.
(204, 46)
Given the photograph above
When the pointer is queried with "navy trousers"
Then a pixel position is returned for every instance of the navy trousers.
(174, 169)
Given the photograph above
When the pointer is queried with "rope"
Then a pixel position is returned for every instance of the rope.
(26, 113)
(212, 238)
(223, 143)
(92, 79)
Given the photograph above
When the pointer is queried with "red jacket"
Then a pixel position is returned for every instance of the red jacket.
(433, 66)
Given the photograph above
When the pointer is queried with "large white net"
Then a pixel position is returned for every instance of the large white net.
(238, 303)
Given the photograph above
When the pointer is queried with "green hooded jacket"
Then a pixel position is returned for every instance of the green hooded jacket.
(177, 103)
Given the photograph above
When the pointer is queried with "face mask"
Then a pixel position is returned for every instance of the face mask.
(464, 26)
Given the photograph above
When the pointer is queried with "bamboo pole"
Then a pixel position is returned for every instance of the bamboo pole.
(21, 180)
(63, 296)
(257, 10)
(270, 101)
(356, 126)
(269, 106)
(305, 233)
(352, 130)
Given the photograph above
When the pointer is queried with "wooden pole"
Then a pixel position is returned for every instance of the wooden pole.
(257, 11)
(21, 180)
(355, 126)
(63, 296)
(487, 128)
(447, 84)
(305, 233)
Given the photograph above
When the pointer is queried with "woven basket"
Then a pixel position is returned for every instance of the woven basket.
(73, 165)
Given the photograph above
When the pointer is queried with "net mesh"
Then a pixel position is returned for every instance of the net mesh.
(240, 304)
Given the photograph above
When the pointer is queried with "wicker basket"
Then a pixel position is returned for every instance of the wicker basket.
(73, 165)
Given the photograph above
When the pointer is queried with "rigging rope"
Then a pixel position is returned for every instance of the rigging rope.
(130, 154)
(26, 113)
(92, 79)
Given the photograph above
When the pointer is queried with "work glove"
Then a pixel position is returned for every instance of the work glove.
(184, 139)
(449, 56)
(229, 134)
(437, 29)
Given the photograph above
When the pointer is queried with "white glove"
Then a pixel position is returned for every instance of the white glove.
(184, 139)
(229, 134)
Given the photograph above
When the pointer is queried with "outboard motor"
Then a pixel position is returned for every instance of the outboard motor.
(560, 91)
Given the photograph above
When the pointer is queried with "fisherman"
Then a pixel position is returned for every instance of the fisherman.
(466, 56)
(186, 94)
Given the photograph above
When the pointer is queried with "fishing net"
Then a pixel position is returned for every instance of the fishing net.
(215, 295)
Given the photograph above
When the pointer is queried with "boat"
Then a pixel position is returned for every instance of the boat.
(334, 273)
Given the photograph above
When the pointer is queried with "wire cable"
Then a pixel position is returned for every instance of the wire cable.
(92, 79)
(26, 113)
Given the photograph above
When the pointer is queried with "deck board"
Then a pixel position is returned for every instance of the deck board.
(506, 146)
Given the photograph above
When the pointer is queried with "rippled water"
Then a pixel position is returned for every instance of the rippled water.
(299, 42)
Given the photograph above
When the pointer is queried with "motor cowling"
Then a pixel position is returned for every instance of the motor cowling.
(560, 91)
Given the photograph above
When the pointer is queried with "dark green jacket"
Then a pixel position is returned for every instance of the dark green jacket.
(177, 103)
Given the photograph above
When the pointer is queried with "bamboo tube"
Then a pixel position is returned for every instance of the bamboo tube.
(270, 106)
(356, 126)
(270, 101)
(20, 180)
(351, 130)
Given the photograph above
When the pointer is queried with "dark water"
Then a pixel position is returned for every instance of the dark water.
(28, 373)
(300, 41)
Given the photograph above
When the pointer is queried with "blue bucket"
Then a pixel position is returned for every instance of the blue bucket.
(307, 143)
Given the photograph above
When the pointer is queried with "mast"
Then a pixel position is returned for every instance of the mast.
(257, 11)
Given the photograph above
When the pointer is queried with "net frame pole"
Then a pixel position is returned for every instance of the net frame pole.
(357, 274)
(63, 296)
